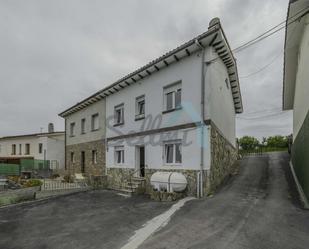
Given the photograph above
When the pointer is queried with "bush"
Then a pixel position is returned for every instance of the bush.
(54, 176)
(68, 178)
(32, 183)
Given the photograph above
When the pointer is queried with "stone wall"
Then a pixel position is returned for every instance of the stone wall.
(90, 167)
(223, 158)
(117, 177)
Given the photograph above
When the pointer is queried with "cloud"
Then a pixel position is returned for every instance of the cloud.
(55, 53)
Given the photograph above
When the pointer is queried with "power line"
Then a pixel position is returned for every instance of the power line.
(267, 34)
(265, 116)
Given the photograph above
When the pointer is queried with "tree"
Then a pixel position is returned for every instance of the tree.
(248, 143)
(277, 142)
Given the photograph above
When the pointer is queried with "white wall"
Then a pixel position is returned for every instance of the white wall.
(187, 70)
(6, 147)
(219, 99)
(55, 149)
(54, 146)
(154, 151)
(301, 98)
(98, 107)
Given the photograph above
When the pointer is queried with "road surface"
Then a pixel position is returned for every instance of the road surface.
(258, 208)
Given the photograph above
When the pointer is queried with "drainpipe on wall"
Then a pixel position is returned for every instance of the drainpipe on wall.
(200, 190)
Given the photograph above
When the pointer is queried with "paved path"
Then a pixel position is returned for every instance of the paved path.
(257, 209)
(89, 220)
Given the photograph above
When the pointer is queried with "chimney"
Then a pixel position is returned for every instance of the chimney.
(50, 128)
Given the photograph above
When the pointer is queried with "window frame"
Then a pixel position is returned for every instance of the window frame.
(138, 100)
(93, 116)
(40, 148)
(72, 129)
(83, 126)
(72, 157)
(94, 154)
(172, 89)
(13, 149)
(121, 154)
(27, 149)
(174, 144)
(117, 108)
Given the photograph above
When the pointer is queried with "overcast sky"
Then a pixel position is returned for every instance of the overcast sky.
(55, 53)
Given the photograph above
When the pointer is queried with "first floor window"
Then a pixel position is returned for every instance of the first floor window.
(27, 149)
(72, 157)
(173, 152)
(140, 107)
(20, 149)
(94, 156)
(72, 129)
(13, 149)
(119, 154)
(172, 97)
(40, 148)
(95, 122)
(83, 126)
(119, 114)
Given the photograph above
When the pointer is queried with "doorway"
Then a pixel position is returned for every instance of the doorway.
(82, 162)
(140, 161)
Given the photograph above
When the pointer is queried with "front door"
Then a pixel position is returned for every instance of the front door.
(142, 161)
(82, 161)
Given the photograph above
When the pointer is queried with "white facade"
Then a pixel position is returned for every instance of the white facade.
(219, 108)
(52, 147)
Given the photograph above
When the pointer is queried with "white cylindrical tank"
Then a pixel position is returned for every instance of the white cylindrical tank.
(168, 181)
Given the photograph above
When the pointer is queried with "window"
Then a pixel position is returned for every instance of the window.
(83, 126)
(140, 107)
(119, 114)
(72, 157)
(13, 149)
(72, 129)
(227, 83)
(172, 97)
(94, 157)
(173, 152)
(40, 148)
(27, 149)
(20, 149)
(119, 154)
(95, 122)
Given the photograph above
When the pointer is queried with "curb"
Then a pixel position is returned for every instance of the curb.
(43, 199)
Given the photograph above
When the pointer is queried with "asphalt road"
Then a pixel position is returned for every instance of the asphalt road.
(89, 220)
(258, 208)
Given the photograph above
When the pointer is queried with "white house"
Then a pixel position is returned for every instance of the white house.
(176, 113)
(296, 90)
(40, 146)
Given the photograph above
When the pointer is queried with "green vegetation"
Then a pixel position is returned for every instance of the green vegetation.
(32, 183)
(249, 144)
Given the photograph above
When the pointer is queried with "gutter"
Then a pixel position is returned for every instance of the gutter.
(200, 178)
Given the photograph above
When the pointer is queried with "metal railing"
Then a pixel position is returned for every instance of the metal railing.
(59, 185)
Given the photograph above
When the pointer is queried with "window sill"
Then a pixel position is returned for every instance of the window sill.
(172, 110)
(172, 164)
(72, 136)
(119, 124)
(95, 129)
(139, 117)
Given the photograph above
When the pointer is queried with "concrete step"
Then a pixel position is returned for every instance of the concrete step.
(125, 191)
(138, 179)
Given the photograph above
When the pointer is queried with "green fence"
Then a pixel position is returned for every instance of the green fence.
(9, 169)
(300, 156)
(34, 164)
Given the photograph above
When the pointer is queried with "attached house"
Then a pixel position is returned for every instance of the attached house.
(40, 146)
(175, 114)
(84, 139)
(296, 90)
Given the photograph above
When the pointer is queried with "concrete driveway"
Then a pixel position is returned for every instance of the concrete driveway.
(257, 209)
(95, 219)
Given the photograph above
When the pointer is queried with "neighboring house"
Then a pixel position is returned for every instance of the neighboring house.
(296, 90)
(40, 146)
(176, 113)
(85, 134)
